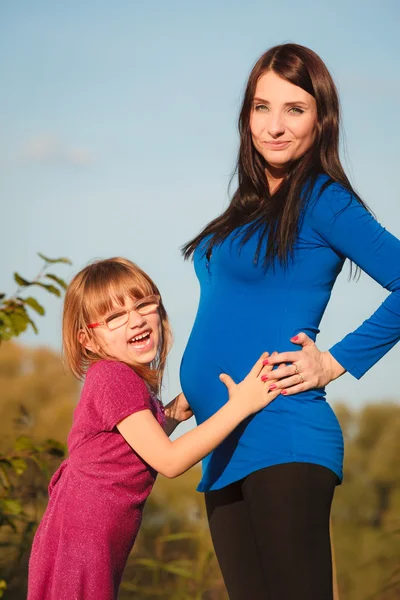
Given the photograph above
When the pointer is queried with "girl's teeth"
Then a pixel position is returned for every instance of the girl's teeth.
(140, 337)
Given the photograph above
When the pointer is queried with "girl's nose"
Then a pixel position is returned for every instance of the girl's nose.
(135, 319)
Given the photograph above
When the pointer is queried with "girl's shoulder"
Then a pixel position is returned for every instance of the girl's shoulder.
(113, 373)
(114, 390)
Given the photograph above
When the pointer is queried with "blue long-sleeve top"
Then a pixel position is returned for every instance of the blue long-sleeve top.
(245, 310)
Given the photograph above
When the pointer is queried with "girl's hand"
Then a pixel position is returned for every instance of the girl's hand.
(178, 409)
(253, 392)
(310, 368)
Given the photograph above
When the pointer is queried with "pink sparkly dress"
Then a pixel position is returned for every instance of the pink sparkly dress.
(97, 495)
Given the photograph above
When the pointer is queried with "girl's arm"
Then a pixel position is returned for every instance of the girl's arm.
(143, 433)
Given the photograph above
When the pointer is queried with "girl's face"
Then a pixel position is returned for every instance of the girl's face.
(283, 120)
(136, 342)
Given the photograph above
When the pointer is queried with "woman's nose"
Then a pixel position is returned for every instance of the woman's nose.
(276, 125)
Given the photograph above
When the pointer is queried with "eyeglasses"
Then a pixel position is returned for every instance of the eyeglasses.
(144, 306)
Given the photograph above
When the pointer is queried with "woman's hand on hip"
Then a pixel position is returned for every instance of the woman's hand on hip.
(310, 368)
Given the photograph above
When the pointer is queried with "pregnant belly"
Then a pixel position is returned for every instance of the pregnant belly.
(216, 347)
(210, 352)
(199, 375)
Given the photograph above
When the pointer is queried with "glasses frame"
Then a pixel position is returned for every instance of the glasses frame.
(157, 301)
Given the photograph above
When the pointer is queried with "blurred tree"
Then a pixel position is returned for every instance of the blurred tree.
(15, 317)
(20, 464)
(366, 511)
(173, 557)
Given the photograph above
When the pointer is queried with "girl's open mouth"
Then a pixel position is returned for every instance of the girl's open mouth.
(141, 341)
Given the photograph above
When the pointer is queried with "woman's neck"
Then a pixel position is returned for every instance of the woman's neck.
(275, 176)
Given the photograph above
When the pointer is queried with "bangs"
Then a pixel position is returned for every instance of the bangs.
(110, 285)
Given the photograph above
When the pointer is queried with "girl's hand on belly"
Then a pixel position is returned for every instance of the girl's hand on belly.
(309, 369)
(253, 393)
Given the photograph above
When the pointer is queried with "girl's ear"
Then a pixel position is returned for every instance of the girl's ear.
(86, 342)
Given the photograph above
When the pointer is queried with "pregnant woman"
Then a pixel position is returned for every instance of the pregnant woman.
(266, 268)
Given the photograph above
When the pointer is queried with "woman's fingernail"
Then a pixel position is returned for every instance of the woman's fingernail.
(264, 377)
(272, 387)
(265, 362)
(295, 337)
(284, 392)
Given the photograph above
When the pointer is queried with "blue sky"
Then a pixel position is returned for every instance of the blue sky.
(118, 126)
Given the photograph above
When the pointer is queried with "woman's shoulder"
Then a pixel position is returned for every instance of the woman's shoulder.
(326, 187)
(328, 198)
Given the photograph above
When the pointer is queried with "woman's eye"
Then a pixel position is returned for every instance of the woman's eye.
(260, 107)
(296, 110)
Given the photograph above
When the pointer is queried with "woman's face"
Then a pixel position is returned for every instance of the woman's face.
(283, 120)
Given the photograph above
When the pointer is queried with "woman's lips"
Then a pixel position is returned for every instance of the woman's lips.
(276, 145)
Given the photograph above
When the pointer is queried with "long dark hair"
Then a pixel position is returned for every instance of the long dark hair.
(277, 218)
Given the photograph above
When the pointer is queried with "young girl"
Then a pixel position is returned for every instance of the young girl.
(115, 330)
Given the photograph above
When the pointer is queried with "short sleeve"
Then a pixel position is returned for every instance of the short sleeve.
(123, 393)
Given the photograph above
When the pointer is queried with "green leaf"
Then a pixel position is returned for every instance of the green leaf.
(10, 507)
(19, 465)
(33, 303)
(50, 288)
(41, 464)
(172, 537)
(32, 324)
(58, 280)
(4, 478)
(6, 335)
(24, 443)
(19, 321)
(54, 448)
(5, 319)
(176, 570)
(149, 563)
(6, 520)
(21, 281)
(64, 260)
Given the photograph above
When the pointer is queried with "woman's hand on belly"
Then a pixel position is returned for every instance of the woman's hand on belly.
(310, 368)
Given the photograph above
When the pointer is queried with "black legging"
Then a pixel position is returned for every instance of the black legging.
(271, 533)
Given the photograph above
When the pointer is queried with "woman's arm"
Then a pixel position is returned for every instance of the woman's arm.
(143, 433)
(177, 411)
(341, 223)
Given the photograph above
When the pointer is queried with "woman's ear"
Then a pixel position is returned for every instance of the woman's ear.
(86, 342)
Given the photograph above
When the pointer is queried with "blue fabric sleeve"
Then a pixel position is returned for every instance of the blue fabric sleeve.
(349, 229)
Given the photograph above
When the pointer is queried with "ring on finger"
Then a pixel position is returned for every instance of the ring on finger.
(301, 377)
(296, 370)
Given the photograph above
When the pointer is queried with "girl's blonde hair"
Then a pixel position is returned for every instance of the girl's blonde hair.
(91, 294)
